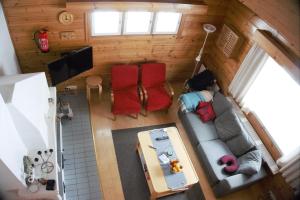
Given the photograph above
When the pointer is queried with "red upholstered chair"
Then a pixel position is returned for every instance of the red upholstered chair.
(125, 95)
(158, 93)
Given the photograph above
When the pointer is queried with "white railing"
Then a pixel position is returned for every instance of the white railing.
(290, 169)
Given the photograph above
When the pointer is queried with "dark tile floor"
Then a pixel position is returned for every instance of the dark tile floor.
(81, 175)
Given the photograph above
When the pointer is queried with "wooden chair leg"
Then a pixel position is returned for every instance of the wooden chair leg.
(88, 92)
(134, 116)
(114, 117)
(100, 91)
(144, 113)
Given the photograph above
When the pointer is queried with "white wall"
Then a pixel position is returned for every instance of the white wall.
(26, 97)
(12, 151)
(8, 60)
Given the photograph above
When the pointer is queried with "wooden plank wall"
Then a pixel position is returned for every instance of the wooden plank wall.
(245, 22)
(178, 52)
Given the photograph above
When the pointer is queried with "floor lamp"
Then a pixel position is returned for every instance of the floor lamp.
(208, 28)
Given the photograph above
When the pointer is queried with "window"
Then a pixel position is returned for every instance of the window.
(166, 23)
(106, 23)
(138, 22)
(274, 98)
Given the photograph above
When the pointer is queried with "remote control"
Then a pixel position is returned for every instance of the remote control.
(162, 138)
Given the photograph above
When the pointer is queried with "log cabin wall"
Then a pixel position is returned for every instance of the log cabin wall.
(177, 51)
(280, 18)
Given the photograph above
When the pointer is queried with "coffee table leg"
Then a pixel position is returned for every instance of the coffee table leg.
(152, 197)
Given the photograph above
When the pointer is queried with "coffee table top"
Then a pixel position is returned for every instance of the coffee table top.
(153, 165)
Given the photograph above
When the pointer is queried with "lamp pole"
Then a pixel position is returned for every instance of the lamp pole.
(208, 28)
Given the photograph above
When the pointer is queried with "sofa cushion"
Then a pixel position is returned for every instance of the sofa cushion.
(198, 130)
(241, 143)
(237, 181)
(210, 153)
(220, 103)
(250, 163)
(228, 125)
(158, 98)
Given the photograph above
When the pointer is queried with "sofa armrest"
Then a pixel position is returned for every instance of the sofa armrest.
(235, 182)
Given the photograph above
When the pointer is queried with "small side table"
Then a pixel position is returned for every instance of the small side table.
(93, 82)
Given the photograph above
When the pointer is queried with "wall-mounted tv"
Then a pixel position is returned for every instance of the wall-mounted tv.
(70, 65)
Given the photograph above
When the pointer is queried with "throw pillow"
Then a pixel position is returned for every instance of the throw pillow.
(220, 104)
(231, 163)
(250, 163)
(205, 111)
(227, 125)
(240, 144)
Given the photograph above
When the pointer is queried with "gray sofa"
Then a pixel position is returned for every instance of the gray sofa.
(210, 146)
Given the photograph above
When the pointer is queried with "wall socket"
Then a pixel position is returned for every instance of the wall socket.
(67, 35)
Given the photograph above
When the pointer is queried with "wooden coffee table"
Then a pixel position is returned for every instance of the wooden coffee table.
(151, 165)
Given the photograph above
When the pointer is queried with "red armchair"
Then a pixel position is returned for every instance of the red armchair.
(158, 93)
(125, 96)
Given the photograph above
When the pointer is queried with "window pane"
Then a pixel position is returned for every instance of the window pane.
(274, 97)
(106, 23)
(137, 22)
(167, 23)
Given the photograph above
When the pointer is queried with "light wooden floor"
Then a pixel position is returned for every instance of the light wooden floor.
(105, 153)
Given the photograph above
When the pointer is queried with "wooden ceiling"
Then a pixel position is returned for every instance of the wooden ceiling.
(246, 22)
(195, 2)
(283, 15)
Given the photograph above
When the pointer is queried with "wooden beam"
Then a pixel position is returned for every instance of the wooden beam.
(188, 9)
(195, 2)
(284, 58)
(282, 15)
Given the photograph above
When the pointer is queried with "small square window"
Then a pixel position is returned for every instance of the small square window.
(138, 22)
(106, 23)
(167, 23)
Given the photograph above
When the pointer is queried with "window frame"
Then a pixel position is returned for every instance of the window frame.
(149, 31)
(92, 23)
(286, 60)
(261, 113)
(165, 33)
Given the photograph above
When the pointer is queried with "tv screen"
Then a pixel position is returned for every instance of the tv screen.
(71, 65)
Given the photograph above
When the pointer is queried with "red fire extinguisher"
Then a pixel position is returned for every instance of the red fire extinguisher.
(41, 39)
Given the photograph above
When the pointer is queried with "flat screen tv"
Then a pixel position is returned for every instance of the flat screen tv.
(70, 65)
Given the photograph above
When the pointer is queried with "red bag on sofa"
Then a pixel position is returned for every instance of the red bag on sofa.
(205, 111)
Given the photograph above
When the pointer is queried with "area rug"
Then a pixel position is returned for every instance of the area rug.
(132, 176)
